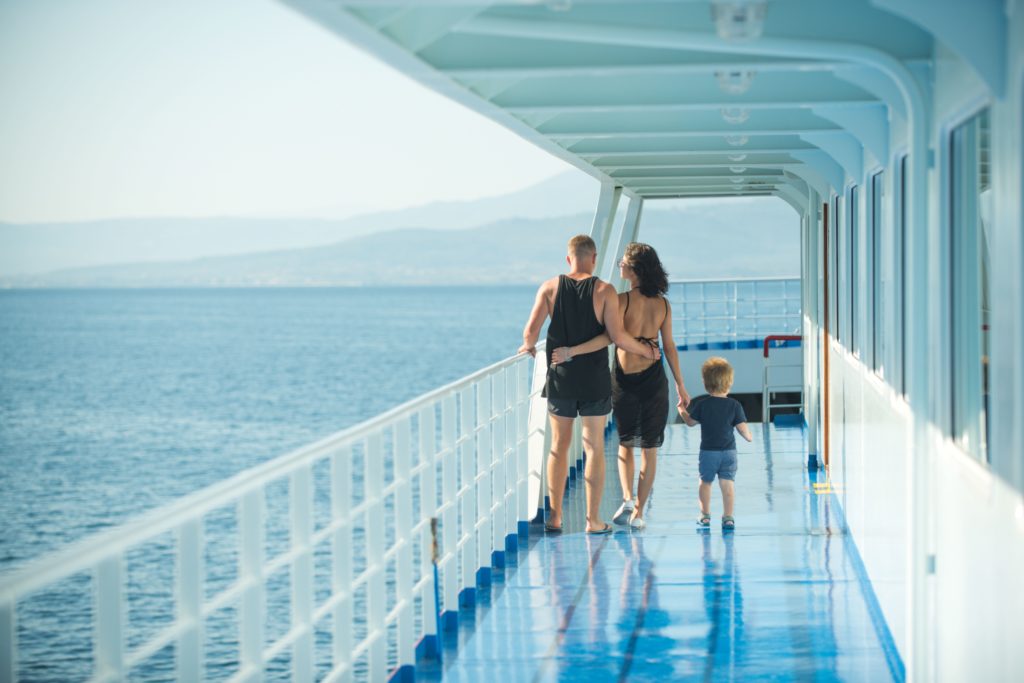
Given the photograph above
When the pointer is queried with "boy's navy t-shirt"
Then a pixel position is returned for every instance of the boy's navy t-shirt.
(717, 416)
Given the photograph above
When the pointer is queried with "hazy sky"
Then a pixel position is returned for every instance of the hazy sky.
(137, 108)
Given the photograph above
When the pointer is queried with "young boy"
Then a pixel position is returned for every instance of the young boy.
(717, 415)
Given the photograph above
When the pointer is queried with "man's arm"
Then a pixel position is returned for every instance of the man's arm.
(538, 315)
(612, 322)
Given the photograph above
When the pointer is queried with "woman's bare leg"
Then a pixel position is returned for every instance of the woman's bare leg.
(626, 471)
(648, 468)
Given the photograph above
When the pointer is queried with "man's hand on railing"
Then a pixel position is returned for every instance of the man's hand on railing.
(527, 348)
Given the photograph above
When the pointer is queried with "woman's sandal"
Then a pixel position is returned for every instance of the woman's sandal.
(704, 520)
(728, 523)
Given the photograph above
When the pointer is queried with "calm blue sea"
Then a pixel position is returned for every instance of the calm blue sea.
(113, 402)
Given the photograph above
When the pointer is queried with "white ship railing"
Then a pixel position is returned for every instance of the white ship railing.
(717, 311)
(458, 454)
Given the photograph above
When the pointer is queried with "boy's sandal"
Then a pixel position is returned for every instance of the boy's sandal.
(728, 522)
(704, 520)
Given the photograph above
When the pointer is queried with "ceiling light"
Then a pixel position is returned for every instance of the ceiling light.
(737, 169)
(736, 181)
(737, 157)
(734, 82)
(737, 140)
(739, 19)
(735, 114)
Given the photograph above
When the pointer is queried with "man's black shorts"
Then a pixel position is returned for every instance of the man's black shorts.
(570, 407)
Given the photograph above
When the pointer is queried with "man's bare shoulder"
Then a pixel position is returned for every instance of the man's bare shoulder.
(605, 289)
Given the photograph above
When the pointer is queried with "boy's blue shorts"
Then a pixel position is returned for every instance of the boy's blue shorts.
(721, 463)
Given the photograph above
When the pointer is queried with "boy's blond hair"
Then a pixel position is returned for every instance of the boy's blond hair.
(717, 375)
(582, 246)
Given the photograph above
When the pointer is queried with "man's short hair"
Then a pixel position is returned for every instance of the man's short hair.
(582, 246)
(717, 374)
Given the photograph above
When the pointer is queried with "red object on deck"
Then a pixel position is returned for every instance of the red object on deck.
(779, 337)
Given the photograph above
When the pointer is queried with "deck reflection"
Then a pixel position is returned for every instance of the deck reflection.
(778, 598)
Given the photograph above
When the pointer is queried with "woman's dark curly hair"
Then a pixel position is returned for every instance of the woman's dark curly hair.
(653, 280)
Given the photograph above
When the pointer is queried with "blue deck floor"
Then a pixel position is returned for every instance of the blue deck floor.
(782, 597)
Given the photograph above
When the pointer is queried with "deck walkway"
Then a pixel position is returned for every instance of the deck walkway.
(782, 597)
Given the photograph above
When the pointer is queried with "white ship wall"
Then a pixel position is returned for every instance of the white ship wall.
(971, 622)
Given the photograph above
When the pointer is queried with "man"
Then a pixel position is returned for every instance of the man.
(581, 307)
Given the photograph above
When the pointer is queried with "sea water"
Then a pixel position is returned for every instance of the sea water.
(113, 402)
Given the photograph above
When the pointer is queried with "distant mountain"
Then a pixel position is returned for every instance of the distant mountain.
(737, 239)
(43, 247)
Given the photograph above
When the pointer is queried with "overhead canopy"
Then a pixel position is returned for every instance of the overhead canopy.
(659, 97)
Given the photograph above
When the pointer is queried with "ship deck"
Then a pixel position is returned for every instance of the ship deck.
(784, 596)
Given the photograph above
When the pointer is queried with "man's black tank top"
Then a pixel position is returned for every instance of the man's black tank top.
(586, 377)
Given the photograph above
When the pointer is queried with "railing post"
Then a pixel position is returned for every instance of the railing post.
(303, 667)
(523, 437)
(449, 494)
(376, 588)
(498, 416)
(253, 603)
(403, 539)
(110, 608)
(538, 438)
(428, 509)
(189, 653)
(9, 640)
(341, 560)
(468, 511)
(482, 483)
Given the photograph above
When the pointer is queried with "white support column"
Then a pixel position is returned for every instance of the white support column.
(189, 589)
(376, 586)
(8, 641)
(629, 232)
(302, 571)
(428, 509)
(604, 219)
(467, 492)
(110, 608)
(498, 417)
(341, 561)
(449, 493)
(482, 481)
(529, 446)
(252, 613)
(403, 540)
(538, 438)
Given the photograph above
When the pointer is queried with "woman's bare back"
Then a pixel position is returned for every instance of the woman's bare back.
(643, 317)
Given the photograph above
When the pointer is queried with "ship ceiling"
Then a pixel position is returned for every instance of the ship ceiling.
(647, 94)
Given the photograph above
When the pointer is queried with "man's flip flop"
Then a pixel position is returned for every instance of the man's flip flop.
(552, 529)
(597, 532)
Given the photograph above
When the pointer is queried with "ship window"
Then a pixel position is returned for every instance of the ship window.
(874, 278)
(970, 217)
(833, 268)
(901, 275)
(851, 270)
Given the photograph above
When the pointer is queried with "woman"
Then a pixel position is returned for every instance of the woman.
(639, 385)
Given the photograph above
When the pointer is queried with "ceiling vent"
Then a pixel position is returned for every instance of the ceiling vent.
(735, 114)
(739, 20)
(734, 82)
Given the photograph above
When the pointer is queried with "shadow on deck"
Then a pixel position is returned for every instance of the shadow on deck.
(784, 596)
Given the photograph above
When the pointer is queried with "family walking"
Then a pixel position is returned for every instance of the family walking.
(586, 316)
